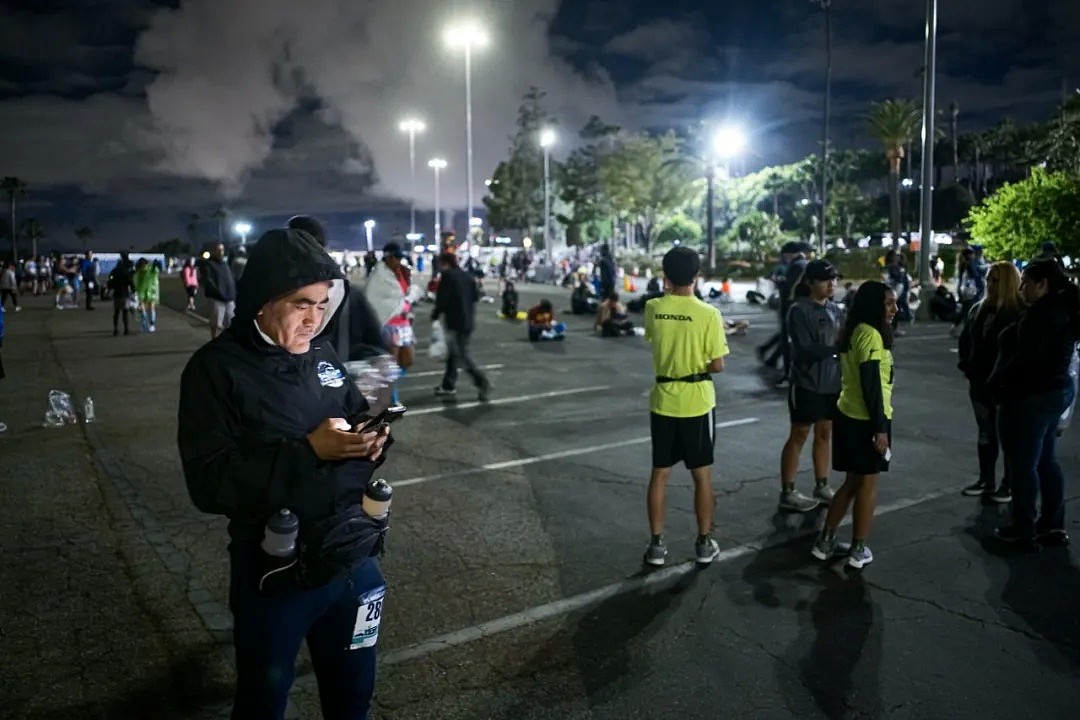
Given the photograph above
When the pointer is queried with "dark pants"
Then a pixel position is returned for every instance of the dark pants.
(1028, 429)
(986, 417)
(89, 295)
(783, 347)
(267, 632)
(5, 294)
(119, 308)
(457, 355)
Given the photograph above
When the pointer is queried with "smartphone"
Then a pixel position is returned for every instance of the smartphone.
(387, 417)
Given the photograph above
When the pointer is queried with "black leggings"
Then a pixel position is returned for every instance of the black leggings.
(4, 294)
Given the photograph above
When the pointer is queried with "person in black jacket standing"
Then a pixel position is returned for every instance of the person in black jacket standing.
(266, 424)
(978, 353)
(220, 288)
(456, 300)
(607, 271)
(1031, 380)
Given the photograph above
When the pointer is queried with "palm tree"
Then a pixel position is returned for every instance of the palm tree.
(33, 231)
(15, 188)
(84, 234)
(221, 215)
(894, 123)
(193, 230)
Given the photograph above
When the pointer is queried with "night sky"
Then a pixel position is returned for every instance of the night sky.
(128, 115)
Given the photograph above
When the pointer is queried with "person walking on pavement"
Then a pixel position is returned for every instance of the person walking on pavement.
(9, 286)
(88, 269)
(688, 346)
(388, 290)
(122, 286)
(190, 277)
(456, 301)
(3, 427)
(813, 323)
(978, 352)
(970, 284)
(265, 420)
(148, 290)
(220, 288)
(862, 427)
(607, 270)
(1031, 379)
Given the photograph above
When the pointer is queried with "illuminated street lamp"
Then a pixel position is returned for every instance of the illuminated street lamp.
(437, 164)
(467, 36)
(727, 142)
(242, 229)
(369, 228)
(412, 126)
(547, 139)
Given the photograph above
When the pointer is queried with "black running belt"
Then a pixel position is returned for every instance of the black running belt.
(697, 377)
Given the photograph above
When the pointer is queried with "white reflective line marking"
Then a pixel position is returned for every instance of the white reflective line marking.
(576, 602)
(551, 456)
(920, 338)
(506, 401)
(432, 373)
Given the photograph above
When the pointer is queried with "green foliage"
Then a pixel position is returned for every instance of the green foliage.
(516, 194)
(1057, 144)
(759, 231)
(644, 182)
(588, 213)
(1020, 216)
(681, 228)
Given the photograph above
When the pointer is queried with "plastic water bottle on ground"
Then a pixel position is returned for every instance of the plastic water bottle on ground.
(88, 410)
(60, 411)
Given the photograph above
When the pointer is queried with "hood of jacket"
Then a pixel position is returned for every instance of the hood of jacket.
(279, 263)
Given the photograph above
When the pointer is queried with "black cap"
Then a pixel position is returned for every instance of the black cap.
(791, 248)
(392, 249)
(1049, 247)
(821, 270)
(681, 266)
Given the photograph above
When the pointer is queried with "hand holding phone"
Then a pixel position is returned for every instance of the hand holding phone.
(383, 419)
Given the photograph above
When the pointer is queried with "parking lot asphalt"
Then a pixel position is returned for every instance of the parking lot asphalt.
(514, 561)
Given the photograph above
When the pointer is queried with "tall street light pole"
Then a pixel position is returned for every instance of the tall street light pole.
(547, 139)
(727, 142)
(926, 227)
(412, 126)
(827, 6)
(467, 36)
(437, 164)
(369, 227)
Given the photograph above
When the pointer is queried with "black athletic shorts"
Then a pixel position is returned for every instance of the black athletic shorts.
(853, 446)
(807, 407)
(686, 440)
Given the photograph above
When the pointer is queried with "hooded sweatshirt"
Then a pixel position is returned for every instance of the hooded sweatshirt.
(247, 405)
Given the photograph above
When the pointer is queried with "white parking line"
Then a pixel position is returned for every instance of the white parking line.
(551, 456)
(433, 373)
(508, 400)
(577, 602)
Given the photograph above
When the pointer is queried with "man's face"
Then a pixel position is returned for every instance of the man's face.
(823, 289)
(293, 320)
(219, 252)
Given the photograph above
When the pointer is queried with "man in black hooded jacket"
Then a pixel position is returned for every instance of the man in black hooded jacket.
(265, 419)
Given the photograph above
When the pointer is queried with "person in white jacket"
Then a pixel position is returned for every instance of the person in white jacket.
(389, 293)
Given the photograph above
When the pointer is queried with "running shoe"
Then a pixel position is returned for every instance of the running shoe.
(1001, 496)
(977, 488)
(655, 553)
(826, 548)
(1016, 537)
(484, 392)
(859, 557)
(440, 391)
(795, 501)
(706, 550)
(824, 493)
(1050, 538)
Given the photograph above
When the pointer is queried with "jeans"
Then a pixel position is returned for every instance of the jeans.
(986, 417)
(556, 332)
(1028, 429)
(457, 354)
(267, 632)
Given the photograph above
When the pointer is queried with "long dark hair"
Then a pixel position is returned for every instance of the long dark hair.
(868, 307)
(802, 287)
(1059, 286)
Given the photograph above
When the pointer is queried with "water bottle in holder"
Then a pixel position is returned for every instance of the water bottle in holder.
(279, 550)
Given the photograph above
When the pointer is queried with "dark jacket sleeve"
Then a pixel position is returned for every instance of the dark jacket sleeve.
(222, 479)
(442, 299)
(870, 382)
(805, 347)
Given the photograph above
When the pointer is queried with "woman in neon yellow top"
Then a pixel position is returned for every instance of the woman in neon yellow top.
(862, 428)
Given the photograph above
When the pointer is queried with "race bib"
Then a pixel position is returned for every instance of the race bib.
(366, 630)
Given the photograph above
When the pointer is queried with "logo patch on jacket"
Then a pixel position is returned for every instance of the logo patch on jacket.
(330, 376)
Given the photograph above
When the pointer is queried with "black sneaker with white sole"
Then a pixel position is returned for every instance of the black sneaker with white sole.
(442, 392)
(976, 489)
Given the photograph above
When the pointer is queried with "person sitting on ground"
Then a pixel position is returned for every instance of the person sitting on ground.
(542, 325)
(582, 300)
(509, 302)
(654, 286)
(611, 319)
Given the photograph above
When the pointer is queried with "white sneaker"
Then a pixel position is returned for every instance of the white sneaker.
(795, 501)
(153, 328)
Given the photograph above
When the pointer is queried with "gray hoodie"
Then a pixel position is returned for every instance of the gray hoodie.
(813, 330)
